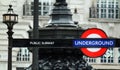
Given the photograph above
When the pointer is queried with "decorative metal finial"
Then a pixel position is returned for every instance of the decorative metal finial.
(10, 8)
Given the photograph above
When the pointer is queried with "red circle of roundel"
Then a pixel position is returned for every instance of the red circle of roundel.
(98, 53)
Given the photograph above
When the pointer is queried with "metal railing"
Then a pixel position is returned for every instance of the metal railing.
(23, 55)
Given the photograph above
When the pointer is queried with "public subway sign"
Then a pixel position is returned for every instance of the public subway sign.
(96, 33)
(42, 43)
(93, 43)
(66, 43)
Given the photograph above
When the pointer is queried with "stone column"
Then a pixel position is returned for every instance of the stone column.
(115, 55)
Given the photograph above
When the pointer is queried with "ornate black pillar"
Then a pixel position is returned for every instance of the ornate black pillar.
(61, 26)
(61, 15)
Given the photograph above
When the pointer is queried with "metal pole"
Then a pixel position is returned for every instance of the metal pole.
(35, 65)
(10, 33)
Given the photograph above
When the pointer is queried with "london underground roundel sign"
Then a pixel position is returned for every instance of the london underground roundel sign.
(94, 33)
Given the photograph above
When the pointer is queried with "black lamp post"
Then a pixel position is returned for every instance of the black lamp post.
(10, 19)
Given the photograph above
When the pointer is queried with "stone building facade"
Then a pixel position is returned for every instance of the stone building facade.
(103, 14)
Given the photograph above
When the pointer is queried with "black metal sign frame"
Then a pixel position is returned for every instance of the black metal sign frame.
(54, 43)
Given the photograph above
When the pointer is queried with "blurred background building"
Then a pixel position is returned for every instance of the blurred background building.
(103, 14)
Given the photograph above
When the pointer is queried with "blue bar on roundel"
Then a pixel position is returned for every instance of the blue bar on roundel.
(93, 43)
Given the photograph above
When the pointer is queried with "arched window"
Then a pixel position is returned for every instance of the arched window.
(23, 55)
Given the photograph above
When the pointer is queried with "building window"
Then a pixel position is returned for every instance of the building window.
(119, 56)
(45, 7)
(105, 9)
(108, 57)
(23, 55)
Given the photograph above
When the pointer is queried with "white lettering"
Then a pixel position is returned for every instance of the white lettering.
(35, 43)
(94, 43)
(47, 43)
